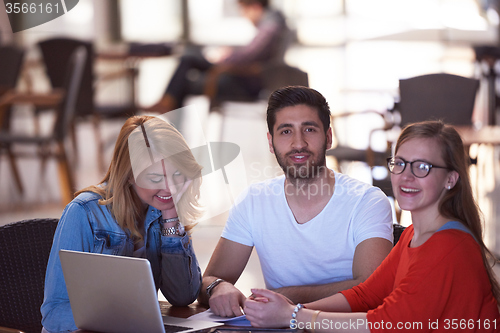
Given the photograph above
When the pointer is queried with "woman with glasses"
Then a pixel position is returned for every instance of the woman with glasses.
(437, 278)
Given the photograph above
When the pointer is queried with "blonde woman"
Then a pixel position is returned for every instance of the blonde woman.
(145, 207)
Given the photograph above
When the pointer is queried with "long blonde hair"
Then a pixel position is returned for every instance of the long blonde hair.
(458, 203)
(121, 199)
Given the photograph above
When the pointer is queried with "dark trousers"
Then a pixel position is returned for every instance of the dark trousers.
(190, 76)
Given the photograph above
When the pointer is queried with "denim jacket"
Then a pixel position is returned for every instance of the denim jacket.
(89, 227)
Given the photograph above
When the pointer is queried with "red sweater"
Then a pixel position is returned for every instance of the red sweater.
(440, 286)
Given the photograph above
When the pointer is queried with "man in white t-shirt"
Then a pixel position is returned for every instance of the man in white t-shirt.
(316, 231)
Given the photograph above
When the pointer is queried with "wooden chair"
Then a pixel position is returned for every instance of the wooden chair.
(272, 75)
(56, 52)
(25, 252)
(11, 59)
(53, 144)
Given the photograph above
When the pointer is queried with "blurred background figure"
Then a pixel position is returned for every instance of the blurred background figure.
(230, 72)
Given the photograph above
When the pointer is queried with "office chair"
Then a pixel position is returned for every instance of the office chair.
(53, 144)
(11, 59)
(25, 252)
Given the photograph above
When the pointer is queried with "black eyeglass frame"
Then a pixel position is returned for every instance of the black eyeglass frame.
(390, 159)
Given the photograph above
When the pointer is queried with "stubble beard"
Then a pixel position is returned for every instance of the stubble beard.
(300, 174)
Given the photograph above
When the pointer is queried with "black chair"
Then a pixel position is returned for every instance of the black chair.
(278, 75)
(269, 75)
(56, 52)
(397, 231)
(11, 59)
(428, 97)
(25, 252)
(441, 96)
(273, 76)
(369, 156)
(438, 96)
(53, 144)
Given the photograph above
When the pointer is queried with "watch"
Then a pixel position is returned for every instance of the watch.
(212, 285)
(177, 229)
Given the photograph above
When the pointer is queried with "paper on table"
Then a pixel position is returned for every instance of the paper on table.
(210, 316)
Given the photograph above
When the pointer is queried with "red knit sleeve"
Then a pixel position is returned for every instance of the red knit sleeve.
(446, 281)
(371, 293)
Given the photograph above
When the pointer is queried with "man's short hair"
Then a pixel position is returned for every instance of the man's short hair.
(297, 95)
(263, 3)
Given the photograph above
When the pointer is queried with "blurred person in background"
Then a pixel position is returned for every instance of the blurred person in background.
(234, 72)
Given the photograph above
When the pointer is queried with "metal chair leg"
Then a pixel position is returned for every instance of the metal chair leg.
(15, 171)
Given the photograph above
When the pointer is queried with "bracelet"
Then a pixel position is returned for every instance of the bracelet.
(212, 285)
(173, 219)
(313, 320)
(293, 321)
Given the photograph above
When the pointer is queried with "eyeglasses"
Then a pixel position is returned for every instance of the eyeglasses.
(419, 169)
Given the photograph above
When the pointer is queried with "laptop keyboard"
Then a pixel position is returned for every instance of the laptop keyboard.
(173, 328)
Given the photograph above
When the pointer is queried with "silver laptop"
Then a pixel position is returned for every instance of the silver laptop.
(117, 294)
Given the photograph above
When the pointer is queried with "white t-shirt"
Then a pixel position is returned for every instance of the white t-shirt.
(319, 251)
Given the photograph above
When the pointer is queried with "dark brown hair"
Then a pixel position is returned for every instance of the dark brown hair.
(297, 95)
(263, 3)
